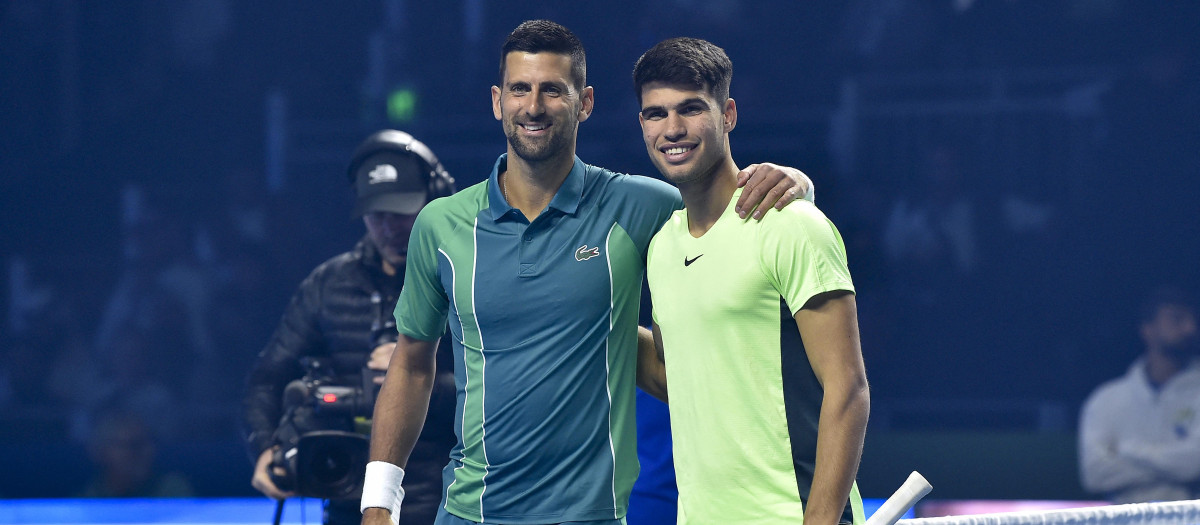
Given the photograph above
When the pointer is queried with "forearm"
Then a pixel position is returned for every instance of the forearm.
(1178, 462)
(651, 369)
(403, 401)
(1102, 471)
(262, 403)
(828, 324)
(841, 430)
(278, 363)
(260, 417)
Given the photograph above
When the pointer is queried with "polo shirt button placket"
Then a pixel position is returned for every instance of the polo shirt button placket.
(525, 251)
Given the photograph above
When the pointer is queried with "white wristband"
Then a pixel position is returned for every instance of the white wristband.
(381, 488)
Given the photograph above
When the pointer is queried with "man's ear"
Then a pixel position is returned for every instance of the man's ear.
(729, 113)
(496, 102)
(588, 100)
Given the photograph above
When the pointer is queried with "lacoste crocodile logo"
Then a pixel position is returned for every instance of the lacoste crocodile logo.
(688, 262)
(584, 253)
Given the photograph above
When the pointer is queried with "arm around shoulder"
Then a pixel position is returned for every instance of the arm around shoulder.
(651, 366)
(770, 185)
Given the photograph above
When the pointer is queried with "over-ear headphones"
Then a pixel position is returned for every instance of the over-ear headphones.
(440, 183)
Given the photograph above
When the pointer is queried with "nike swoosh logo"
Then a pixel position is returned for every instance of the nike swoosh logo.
(688, 262)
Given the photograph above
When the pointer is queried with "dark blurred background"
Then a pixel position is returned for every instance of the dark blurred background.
(1010, 176)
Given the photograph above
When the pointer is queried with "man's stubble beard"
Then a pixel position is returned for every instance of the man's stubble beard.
(559, 140)
(1184, 349)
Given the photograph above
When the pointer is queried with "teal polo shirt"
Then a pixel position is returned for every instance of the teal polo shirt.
(544, 320)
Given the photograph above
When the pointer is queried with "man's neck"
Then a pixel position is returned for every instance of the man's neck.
(1161, 367)
(707, 197)
(530, 186)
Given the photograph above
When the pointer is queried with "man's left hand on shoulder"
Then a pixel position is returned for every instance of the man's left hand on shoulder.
(770, 185)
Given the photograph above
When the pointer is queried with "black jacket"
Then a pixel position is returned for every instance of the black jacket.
(338, 310)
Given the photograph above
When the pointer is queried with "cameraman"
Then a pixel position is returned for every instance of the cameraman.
(343, 312)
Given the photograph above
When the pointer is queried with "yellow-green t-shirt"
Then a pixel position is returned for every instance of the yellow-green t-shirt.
(744, 399)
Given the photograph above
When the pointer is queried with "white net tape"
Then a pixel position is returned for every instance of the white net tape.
(1164, 513)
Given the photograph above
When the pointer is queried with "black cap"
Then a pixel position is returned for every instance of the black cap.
(391, 181)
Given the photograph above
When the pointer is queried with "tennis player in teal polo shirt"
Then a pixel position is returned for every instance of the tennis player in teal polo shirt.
(538, 270)
(545, 315)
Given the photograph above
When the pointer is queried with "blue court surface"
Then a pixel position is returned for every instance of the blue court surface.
(256, 511)
(242, 511)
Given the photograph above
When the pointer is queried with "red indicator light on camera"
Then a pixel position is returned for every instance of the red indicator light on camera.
(329, 398)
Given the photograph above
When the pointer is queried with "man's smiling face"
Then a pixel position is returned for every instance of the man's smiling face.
(685, 130)
(539, 106)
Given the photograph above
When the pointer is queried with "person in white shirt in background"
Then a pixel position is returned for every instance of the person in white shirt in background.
(1139, 434)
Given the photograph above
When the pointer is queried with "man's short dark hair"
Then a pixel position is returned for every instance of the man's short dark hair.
(544, 36)
(684, 61)
(1163, 296)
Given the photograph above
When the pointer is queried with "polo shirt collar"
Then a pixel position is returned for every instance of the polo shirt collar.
(565, 200)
